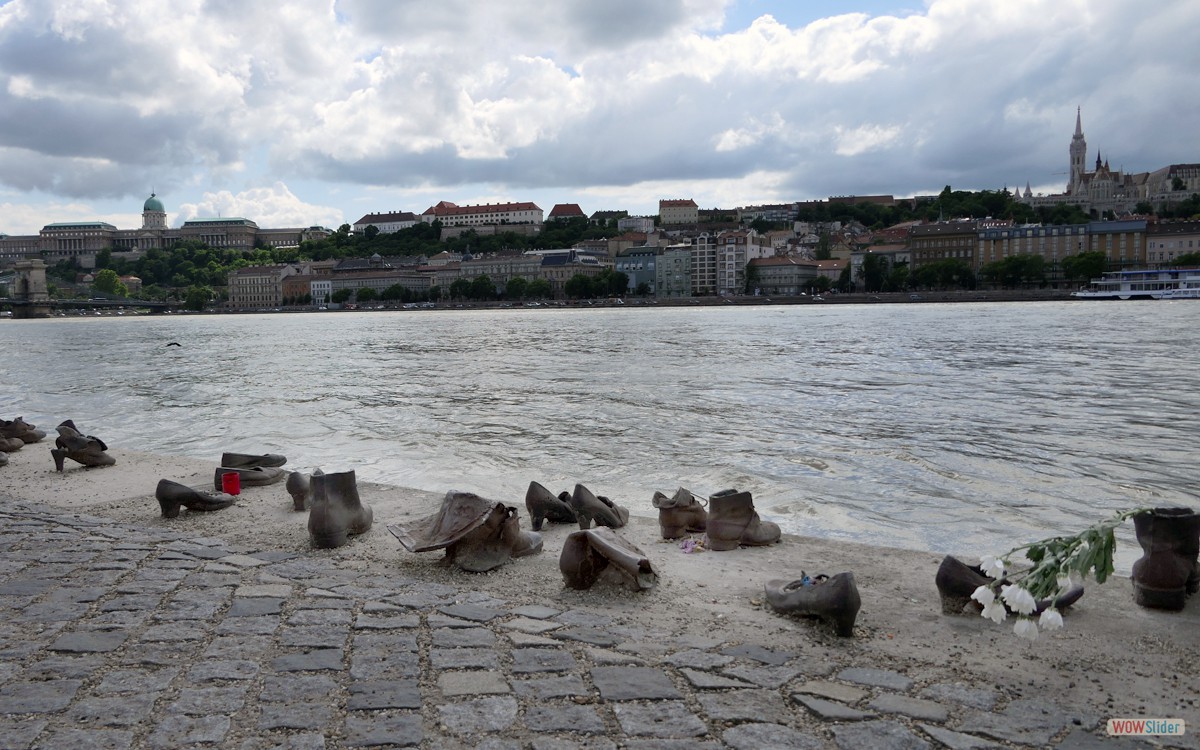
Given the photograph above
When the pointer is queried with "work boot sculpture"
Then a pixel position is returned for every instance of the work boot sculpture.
(732, 521)
(337, 513)
(80, 448)
(679, 515)
(1167, 571)
(22, 430)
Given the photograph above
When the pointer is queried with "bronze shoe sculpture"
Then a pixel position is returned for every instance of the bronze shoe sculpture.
(11, 445)
(1167, 571)
(299, 486)
(603, 554)
(956, 581)
(171, 495)
(80, 448)
(679, 515)
(543, 505)
(250, 460)
(19, 428)
(478, 534)
(253, 477)
(834, 600)
(337, 513)
(589, 507)
(732, 521)
(3, 458)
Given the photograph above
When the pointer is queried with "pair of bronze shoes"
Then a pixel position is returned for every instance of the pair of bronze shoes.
(956, 581)
(581, 506)
(478, 534)
(253, 470)
(80, 448)
(21, 430)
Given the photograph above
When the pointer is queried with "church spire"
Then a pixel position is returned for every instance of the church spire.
(1078, 122)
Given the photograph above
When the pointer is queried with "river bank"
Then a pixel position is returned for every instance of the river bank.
(1113, 659)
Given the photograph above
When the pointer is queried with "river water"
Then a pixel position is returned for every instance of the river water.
(964, 428)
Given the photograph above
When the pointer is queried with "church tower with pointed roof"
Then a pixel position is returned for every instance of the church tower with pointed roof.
(1078, 155)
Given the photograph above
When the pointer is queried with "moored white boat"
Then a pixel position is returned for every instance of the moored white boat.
(1170, 283)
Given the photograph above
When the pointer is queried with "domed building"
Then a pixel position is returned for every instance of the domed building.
(154, 216)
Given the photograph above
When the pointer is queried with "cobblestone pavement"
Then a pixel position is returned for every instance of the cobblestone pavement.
(123, 637)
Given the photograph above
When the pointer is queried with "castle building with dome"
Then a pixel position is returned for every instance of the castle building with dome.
(1104, 190)
(83, 240)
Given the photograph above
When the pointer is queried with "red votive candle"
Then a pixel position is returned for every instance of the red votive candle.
(231, 483)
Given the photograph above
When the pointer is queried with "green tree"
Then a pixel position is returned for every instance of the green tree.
(371, 232)
(482, 288)
(460, 289)
(198, 297)
(106, 281)
(365, 294)
(578, 286)
(1187, 259)
(1084, 267)
(873, 272)
(752, 278)
(516, 288)
(342, 296)
(824, 247)
(539, 288)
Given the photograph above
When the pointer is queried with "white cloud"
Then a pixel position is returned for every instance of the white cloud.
(269, 207)
(104, 99)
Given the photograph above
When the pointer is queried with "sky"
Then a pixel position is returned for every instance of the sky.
(317, 112)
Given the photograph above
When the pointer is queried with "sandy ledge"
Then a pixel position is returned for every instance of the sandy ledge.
(1114, 659)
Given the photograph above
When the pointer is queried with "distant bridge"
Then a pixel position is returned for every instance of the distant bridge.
(31, 298)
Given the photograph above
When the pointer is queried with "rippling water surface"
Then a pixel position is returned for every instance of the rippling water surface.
(960, 428)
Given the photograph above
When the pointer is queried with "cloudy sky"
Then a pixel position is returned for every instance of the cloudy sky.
(302, 112)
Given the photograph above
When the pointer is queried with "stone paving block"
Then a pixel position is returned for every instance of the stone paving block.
(285, 688)
(93, 641)
(830, 710)
(1079, 739)
(19, 734)
(263, 590)
(92, 739)
(37, 697)
(52, 612)
(567, 686)
(313, 636)
(158, 654)
(436, 620)
(696, 659)
(305, 661)
(592, 636)
(884, 678)
(132, 602)
(775, 736)
(167, 633)
(223, 669)
(188, 610)
(264, 625)
(112, 711)
(294, 715)
(394, 622)
(710, 681)
(745, 705)
(254, 607)
(195, 701)
(402, 730)
(532, 660)
(378, 694)
(1025, 721)
(242, 561)
(463, 658)
(957, 740)
(494, 714)
(57, 667)
(564, 717)
(233, 646)
(914, 708)
(633, 683)
(177, 730)
(321, 617)
(383, 643)
(584, 618)
(528, 640)
(957, 692)
(877, 735)
(463, 638)
(760, 654)
(833, 691)
(139, 586)
(536, 611)
(457, 684)
(136, 681)
(663, 719)
(768, 677)
(530, 625)
(472, 612)
(383, 666)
